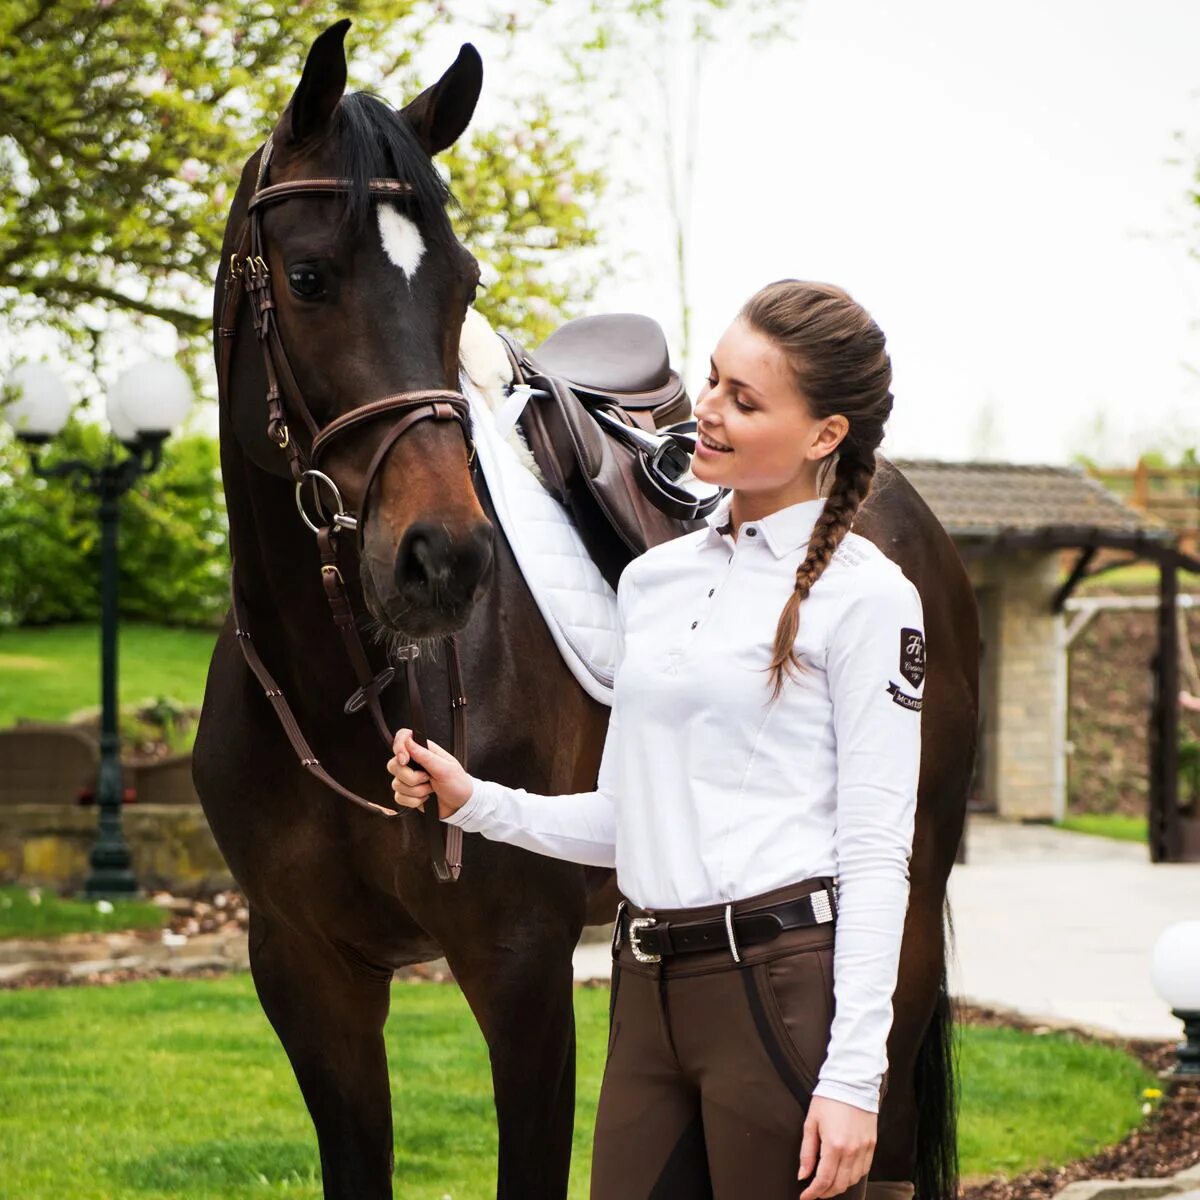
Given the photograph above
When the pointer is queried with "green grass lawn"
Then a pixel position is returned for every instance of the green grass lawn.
(48, 673)
(1121, 826)
(39, 913)
(1142, 576)
(174, 1090)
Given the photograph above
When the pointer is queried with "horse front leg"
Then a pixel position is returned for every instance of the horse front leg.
(329, 1013)
(522, 997)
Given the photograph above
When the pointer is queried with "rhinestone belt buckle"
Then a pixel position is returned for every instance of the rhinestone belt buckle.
(635, 925)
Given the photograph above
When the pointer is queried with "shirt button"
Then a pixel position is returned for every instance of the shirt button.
(695, 623)
(751, 532)
(711, 590)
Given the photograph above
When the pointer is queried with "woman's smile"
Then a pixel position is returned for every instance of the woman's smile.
(707, 447)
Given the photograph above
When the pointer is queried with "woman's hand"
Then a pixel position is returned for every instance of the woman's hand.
(845, 1135)
(419, 770)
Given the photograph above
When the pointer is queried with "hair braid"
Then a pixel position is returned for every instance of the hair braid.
(851, 483)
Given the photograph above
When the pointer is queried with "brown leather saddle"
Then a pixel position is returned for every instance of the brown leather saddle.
(589, 374)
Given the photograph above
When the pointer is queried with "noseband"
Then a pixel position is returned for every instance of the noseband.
(249, 275)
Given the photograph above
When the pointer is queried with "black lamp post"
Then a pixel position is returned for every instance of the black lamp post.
(142, 407)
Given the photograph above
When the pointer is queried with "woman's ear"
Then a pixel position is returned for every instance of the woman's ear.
(830, 436)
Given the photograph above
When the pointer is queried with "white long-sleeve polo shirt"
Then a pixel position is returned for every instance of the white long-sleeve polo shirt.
(706, 794)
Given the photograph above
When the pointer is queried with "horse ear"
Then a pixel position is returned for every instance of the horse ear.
(322, 84)
(441, 112)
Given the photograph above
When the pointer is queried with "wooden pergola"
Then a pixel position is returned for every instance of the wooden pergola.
(1174, 837)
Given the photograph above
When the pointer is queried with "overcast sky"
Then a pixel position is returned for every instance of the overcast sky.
(994, 183)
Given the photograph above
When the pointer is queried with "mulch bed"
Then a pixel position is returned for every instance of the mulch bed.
(221, 912)
(1167, 1141)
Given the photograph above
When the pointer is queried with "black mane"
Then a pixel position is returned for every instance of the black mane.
(375, 141)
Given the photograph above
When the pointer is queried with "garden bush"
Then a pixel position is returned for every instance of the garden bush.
(173, 559)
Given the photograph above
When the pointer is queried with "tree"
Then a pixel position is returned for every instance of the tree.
(640, 66)
(525, 199)
(124, 124)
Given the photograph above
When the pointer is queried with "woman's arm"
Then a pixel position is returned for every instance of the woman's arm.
(579, 826)
(877, 724)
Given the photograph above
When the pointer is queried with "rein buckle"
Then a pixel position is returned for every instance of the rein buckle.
(359, 699)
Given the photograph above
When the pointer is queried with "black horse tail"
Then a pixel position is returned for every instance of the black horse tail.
(937, 1095)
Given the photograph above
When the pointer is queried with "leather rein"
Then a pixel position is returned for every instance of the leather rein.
(248, 275)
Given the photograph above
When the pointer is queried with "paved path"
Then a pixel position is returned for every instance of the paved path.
(1056, 925)
(1061, 925)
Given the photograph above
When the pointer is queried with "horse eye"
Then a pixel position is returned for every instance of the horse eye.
(305, 282)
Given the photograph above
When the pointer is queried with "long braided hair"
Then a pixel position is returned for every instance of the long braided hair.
(840, 365)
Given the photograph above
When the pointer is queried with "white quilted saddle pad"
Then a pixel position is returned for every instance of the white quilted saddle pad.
(575, 600)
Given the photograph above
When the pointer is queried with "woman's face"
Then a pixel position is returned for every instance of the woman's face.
(751, 404)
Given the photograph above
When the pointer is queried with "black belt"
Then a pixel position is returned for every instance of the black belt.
(652, 940)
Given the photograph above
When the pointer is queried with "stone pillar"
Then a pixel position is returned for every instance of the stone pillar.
(1028, 776)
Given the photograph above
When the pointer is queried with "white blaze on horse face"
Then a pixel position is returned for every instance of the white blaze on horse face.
(402, 240)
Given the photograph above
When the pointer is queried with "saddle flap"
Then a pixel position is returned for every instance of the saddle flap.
(595, 473)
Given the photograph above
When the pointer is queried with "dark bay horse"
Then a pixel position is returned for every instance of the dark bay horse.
(369, 299)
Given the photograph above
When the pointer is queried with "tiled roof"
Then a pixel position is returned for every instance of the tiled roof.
(982, 498)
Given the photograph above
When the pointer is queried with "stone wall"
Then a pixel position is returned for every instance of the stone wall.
(1023, 685)
(172, 847)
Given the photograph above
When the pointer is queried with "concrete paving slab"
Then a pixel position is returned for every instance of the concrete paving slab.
(593, 961)
(1061, 925)
(1119, 1189)
(1180, 1186)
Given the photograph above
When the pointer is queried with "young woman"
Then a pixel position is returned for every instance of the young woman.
(757, 789)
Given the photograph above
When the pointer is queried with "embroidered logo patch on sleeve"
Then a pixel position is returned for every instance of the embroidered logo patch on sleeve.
(912, 655)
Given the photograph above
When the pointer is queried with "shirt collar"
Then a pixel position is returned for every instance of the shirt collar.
(785, 530)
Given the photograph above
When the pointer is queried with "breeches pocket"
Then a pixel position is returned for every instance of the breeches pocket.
(794, 1002)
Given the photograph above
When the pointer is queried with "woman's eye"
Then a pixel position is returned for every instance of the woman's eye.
(305, 282)
(711, 380)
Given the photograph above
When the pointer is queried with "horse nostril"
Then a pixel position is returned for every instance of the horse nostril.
(423, 558)
(436, 566)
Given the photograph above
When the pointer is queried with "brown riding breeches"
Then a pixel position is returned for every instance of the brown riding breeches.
(711, 1066)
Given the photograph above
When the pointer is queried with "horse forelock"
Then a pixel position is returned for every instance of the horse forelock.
(374, 141)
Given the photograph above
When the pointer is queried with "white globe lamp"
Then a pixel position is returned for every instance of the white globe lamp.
(1175, 973)
(151, 399)
(40, 402)
(121, 426)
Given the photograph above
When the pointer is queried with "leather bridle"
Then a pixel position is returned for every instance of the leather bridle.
(248, 275)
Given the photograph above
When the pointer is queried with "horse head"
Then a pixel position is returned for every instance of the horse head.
(367, 292)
